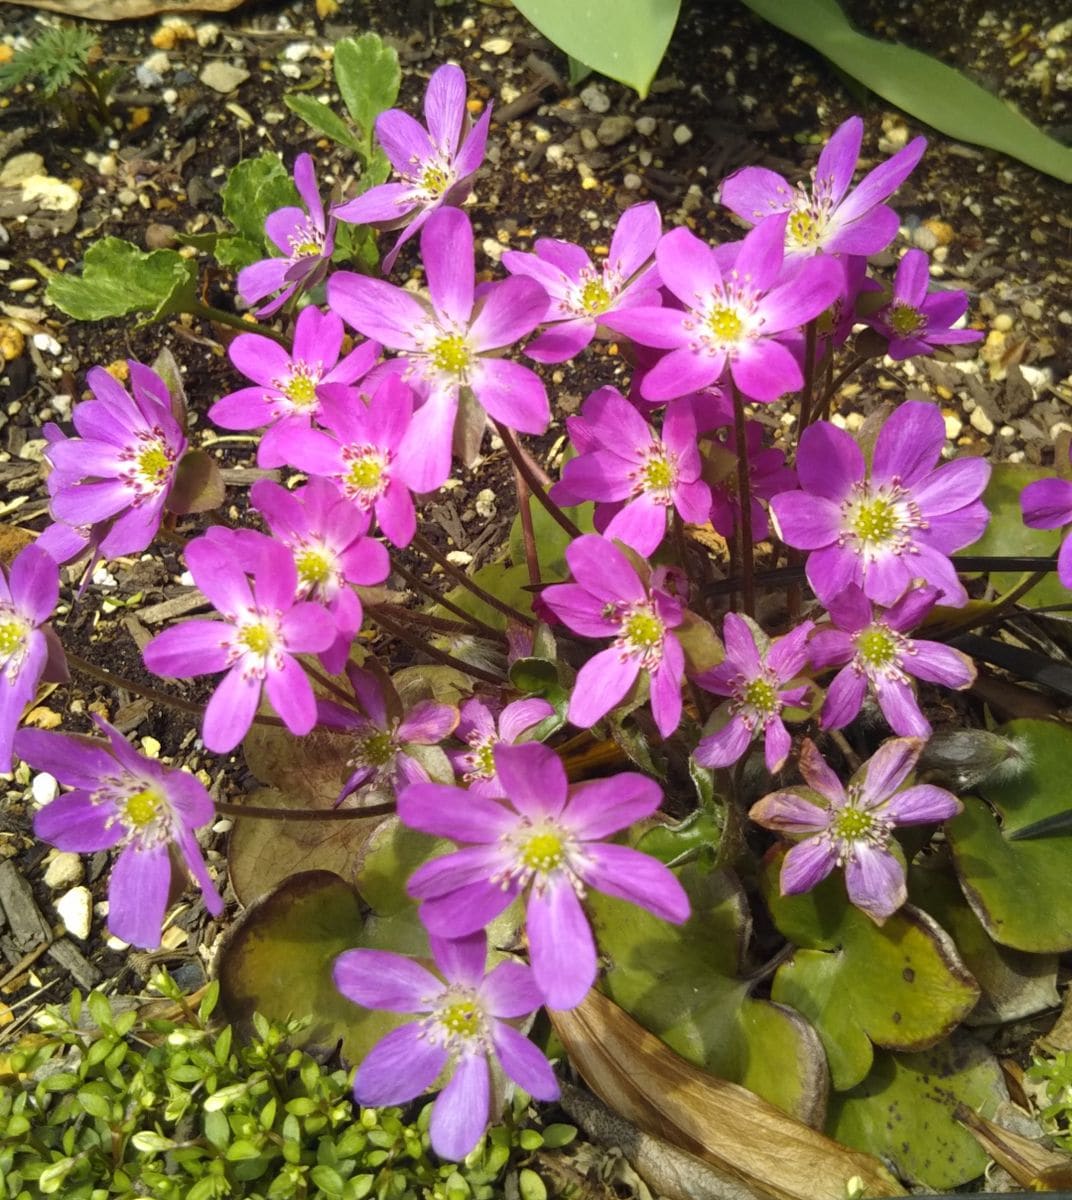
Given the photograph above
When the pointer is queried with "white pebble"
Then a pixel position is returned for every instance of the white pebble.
(645, 126)
(953, 426)
(297, 51)
(44, 789)
(632, 182)
(595, 99)
(981, 422)
(459, 558)
(75, 910)
(485, 503)
(682, 134)
(64, 871)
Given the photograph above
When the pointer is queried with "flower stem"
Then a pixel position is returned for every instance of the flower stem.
(421, 543)
(222, 317)
(418, 585)
(267, 813)
(536, 478)
(744, 492)
(528, 533)
(440, 656)
(808, 395)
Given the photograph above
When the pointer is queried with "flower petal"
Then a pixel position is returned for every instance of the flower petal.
(533, 778)
(875, 881)
(460, 1113)
(524, 1062)
(382, 979)
(808, 863)
(400, 1066)
(630, 875)
(888, 768)
(561, 947)
(138, 894)
(600, 807)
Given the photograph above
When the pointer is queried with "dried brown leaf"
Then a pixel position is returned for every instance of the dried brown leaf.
(1029, 1162)
(126, 10)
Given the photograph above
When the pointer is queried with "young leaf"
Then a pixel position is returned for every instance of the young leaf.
(368, 78)
(117, 278)
(254, 188)
(323, 119)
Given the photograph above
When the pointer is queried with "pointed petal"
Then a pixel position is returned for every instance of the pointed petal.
(561, 947)
(808, 863)
(400, 1066)
(600, 807)
(524, 1063)
(382, 979)
(630, 875)
(875, 881)
(533, 778)
(460, 1113)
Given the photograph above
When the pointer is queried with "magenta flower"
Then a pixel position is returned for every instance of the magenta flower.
(767, 474)
(875, 653)
(435, 166)
(609, 599)
(290, 387)
(1047, 504)
(29, 648)
(465, 1029)
(828, 218)
(481, 732)
(264, 626)
(122, 799)
(916, 322)
(387, 736)
(328, 538)
(450, 343)
(361, 455)
(853, 828)
(637, 477)
(109, 486)
(580, 294)
(740, 307)
(760, 678)
(304, 238)
(544, 834)
(885, 527)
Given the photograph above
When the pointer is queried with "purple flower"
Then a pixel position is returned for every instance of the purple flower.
(1047, 504)
(435, 166)
(580, 295)
(754, 675)
(385, 733)
(328, 538)
(464, 1030)
(609, 599)
(544, 834)
(875, 653)
(740, 307)
(884, 528)
(481, 732)
(110, 485)
(305, 240)
(290, 387)
(123, 799)
(264, 626)
(637, 477)
(361, 457)
(854, 828)
(916, 322)
(450, 343)
(29, 648)
(828, 218)
(767, 474)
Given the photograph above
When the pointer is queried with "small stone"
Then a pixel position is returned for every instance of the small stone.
(26, 284)
(75, 910)
(296, 52)
(108, 165)
(223, 77)
(981, 422)
(942, 232)
(632, 182)
(1032, 310)
(953, 426)
(595, 99)
(614, 129)
(1002, 323)
(159, 236)
(589, 140)
(924, 239)
(44, 789)
(646, 126)
(21, 167)
(682, 134)
(51, 195)
(497, 45)
(207, 34)
(486, 504)
(169, 96)
(64, 871)
(459, 558)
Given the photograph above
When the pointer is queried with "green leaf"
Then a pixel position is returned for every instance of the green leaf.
(921, 85)
(198, 485)
(277, 961)
(237, 252)
(683, 983)
(551, 539)
(904, 1110)
(506, 583)
(1019, 889)
(623, 41)
(117, 278)
(254, 188)
(899, 985)
(368, 77)
(323, 119)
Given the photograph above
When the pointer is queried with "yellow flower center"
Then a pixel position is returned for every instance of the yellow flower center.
(365, 474)
(451, 354)
(142, 807)
(300, 388)
(257, 638)
(306, 249)
(314, 566)
(543, 852)
(876, 647)
(594, 296)
(435, 180)
(12, 637)
(374, 750)
(905, 319)
(804, 229)
(852, 824)
(875, 520)
(463, 1018)
(658, 474)
(761, 695)
(482, 760)
(643, 630)
(725, 324)
(154, 466)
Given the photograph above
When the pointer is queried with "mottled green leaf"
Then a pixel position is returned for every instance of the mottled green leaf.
(256, 187)
(117, 278)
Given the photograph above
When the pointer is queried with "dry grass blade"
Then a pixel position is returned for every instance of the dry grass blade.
(723, 1124)
(1032, 1165)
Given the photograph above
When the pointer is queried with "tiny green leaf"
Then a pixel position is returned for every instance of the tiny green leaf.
(368, 78)
(323, 119)
(117, 278)
(254, 188)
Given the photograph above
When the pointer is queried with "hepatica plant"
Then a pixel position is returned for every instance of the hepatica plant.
(718, 641)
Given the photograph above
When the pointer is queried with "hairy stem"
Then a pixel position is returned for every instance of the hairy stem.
(421, 543)
(440, 656)
(536, 478)
(418, 585)
(266, 813)
(528, 533)
(208, 313)
(744, 491)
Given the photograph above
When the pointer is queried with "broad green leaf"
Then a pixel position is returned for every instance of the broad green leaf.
(254, 188)
(1014, 984)
(277, 961)
(899, 985)
(391, 855)
(117, 278)
(921, 85)
(1019, 889)
(623, 41)
(236, 252)
(551, 539)
(904, 1111)
(684, 984)
(509, 584)
(323, 119)
(368, 77)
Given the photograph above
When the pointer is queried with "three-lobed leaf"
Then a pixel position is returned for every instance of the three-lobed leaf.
(117, 278)
(368, 77)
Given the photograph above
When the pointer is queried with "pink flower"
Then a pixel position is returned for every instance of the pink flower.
(545, 838)
(1047, 504)
(264, 626)
(916, 322)
(481, 732)
(609, 599)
